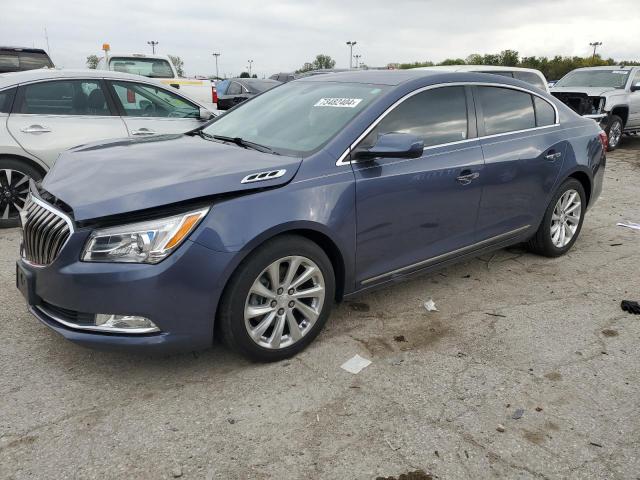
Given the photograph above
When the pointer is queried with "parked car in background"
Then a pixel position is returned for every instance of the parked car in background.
(551, 83)
(43, 112)
(284, 76)
(240, 89)
(19, 59)
(609, 95)
(161, 68)
(312, 192)
(529, 75)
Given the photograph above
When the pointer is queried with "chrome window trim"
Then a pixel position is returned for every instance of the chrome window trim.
(444, 256)
(341, 160)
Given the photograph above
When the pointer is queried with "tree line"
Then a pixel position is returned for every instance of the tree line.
(553, 68)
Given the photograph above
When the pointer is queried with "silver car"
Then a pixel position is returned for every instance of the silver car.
(43, 112)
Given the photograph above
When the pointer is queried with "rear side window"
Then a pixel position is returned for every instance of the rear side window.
(505, 110)
(234, 89)
(531, 78)
(222, 86)
(545, 114)
(6, 99)
(436, 116)
(63, 97)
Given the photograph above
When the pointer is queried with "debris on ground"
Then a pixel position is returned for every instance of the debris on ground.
(176, 472)
(495, 315)
(415, 475)
(608, 332)
(538, 409)
(615, 244)
(630, 306)
(391, 446)
(399, 338)
(355, 364)
(595, 444)
(231, 420)
(430, 305)
(634, 226)
(500, 428)
(517, 415)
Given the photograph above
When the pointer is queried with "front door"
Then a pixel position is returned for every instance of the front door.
(634, 102)
(413, 211)
(51, 116)
(150, 110)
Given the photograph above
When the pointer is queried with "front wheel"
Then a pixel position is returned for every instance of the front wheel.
(278, 299)
(614, 132)
(14, 189)
(562, 221)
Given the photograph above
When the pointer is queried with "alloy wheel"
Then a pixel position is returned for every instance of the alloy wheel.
(615, 134)
(284, 302)
(14, 189)
(566, 218)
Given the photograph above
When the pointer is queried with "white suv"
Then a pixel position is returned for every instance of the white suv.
(529, 75)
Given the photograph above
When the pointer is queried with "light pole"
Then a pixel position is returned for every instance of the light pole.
(351, 44)
(357, 57)
(153, 44)
(250, 62)
(216, 55)
(594, 45)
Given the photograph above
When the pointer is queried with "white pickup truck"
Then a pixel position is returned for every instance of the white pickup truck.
(161, 68)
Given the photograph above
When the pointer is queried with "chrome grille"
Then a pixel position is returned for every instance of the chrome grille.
(45, 230)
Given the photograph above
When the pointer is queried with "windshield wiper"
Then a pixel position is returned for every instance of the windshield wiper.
(243, 143)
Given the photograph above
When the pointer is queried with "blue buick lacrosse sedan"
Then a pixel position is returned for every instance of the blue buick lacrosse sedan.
(254, 225)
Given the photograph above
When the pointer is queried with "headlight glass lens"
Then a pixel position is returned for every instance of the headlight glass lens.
(145, 242)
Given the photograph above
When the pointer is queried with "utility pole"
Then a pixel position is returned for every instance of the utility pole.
(250, 62)
(594, 45)
(46, 37)
(357, 57)
(351, 44)
(153, 44)
(216, 55)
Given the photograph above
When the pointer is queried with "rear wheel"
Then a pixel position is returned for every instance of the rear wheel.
(614, 132)
(278, 299)
(14, 188)
(562, 221)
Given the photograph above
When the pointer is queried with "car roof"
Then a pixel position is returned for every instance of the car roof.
(138, 55)
(477, 68)
(15, 78)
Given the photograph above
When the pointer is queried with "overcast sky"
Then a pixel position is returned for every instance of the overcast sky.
(280, 35)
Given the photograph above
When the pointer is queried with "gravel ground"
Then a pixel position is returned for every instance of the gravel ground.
(512, 331)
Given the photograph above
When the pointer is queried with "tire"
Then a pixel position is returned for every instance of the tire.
(14, 187)
(543, 242)
(282, 312)
(614, 130)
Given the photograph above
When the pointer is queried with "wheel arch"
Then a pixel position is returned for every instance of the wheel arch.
(35, 164)
(585, 180)
(621, 111)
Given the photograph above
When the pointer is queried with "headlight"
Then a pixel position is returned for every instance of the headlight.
(145, 242)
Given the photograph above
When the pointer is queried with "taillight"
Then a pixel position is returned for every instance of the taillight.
(214, 95)
(604, 140)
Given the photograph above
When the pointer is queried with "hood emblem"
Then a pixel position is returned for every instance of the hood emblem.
(263, 176)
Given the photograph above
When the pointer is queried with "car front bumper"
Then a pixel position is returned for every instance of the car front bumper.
(179, 295)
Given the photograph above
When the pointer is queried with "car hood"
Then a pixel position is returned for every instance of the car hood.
(589, 91)
(120, 176)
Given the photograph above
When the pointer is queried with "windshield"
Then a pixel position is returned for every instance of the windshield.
(298, 117)
(594, 78)
(147, 67)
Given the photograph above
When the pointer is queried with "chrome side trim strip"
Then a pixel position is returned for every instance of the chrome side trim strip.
(445, 256)
(95, 328)
(341, 160)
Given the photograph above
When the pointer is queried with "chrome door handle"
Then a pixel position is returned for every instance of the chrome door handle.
(35, 129)
(467, 178)
(552, 156)
(143, 131)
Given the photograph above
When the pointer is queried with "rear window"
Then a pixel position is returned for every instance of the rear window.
(16, 61)
(147, 67)
(505, 110)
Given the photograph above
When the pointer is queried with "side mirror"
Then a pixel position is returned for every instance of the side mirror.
(393, 145)
(636, 87)
(205, 114)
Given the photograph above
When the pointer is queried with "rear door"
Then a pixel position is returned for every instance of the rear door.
(51, 116)
(412, 211)
(150, 110)
(523, 150)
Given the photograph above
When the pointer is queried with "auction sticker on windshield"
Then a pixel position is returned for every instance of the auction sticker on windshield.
(338, 102)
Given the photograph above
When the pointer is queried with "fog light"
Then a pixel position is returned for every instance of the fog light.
(125, 323)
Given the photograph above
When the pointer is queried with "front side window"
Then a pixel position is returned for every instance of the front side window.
(531, 78)
(436, 116)
(139, 100)
(64, 97)
(594, 78)
(297, 118)
(6, 99)
(147, 67)
(505, 110)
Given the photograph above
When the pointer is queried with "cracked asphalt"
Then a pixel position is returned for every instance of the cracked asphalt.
(512, 331)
